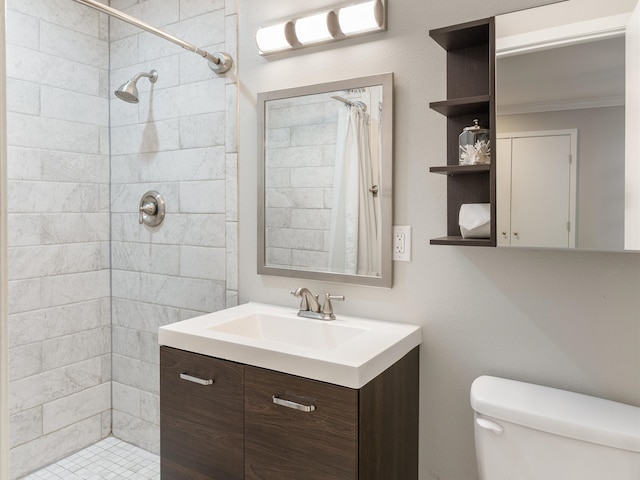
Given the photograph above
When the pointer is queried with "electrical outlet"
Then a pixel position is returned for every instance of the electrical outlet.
(402, 243)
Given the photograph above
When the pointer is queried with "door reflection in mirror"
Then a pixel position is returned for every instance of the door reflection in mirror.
(562, 67)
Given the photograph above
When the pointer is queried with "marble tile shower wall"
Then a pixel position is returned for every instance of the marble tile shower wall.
(58, 202)
(179, 140)
(301, 150)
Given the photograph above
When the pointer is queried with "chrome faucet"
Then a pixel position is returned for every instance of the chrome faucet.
(310, 306)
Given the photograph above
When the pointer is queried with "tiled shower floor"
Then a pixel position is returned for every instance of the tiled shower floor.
(109, 459)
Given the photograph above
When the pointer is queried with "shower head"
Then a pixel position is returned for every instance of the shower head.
(129, 92)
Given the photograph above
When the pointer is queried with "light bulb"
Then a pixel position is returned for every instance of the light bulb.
(273, 38)
(313, 28)
(361, 18)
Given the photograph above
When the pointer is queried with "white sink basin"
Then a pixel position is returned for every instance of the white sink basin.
(348, 351)
(316, 335)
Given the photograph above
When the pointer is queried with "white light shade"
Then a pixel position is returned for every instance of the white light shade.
(360, 18)
(273, 38)
(313, 29)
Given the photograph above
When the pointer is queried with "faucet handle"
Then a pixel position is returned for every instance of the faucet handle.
(304, 305)
(327, 308)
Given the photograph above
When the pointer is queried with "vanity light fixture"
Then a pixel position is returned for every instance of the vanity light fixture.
(342, 22)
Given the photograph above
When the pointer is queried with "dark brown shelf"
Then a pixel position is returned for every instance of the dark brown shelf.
(470, 95)
(461, 169)
(466, 242)
(461, 106)
(463, 35)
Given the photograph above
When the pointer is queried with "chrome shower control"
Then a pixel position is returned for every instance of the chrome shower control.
(151, 209)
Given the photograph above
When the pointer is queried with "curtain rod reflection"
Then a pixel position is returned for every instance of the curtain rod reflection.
(357, 103)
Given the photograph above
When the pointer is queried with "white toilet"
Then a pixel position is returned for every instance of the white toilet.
(530, 432)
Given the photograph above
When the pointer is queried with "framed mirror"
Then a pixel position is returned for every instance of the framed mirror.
(566, 98)
(325, 169)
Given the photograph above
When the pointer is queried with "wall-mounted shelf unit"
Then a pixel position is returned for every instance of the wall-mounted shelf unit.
(470, 94)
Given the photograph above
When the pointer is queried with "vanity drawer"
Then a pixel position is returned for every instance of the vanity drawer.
(315, 437)
(202, 417)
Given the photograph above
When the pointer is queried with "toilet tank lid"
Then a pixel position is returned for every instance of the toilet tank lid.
(568, 414)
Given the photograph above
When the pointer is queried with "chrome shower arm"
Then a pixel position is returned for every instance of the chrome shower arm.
(218, 62)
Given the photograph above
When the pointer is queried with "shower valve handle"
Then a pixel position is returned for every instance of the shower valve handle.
(152, 209)
(149, 208)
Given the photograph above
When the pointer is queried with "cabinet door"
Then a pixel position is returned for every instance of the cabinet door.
(201, 426)
(286, 443)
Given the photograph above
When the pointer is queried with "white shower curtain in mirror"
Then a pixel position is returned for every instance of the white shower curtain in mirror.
(354, 242)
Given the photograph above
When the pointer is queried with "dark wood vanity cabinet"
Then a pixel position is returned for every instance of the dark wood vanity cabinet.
(201, 426)
(470, 51)
(327, 432)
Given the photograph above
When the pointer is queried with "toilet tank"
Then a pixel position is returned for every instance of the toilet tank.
(531, 432)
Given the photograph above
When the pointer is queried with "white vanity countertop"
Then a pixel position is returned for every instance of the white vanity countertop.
(348, 351)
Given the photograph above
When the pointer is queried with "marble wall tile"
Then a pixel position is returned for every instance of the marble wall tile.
(70, 227)
(36, 164)
(203, 262)
(23, 97)
(60, 12)
(70, 349)
(46, 133)
(58, 444)
(296, 239)
(193, 8)
(77, 287)
(202, 130)
(203, 197)
(195, 163)
(135, 344)
(126, 399)
(146, 257)
(308, 259)
(25, 361)
(124, 52)
(33, 66)
(148, 137)
(155, 12)
(184, 100)
(322, 134)
(232, 255)
(294, 198)
(22, 30)
(317, 219)
(25, 426)
(304, 177)
(39, 325)
(48, 386)
(150, 407)
(126, 197)
(76, 107)
(42, 197)
(295, 157)
(56, 260)
(194, 293)
(66, 411)
(231, 188)
(136, 373)
(137, 431)
(79, 47)
(145, 317)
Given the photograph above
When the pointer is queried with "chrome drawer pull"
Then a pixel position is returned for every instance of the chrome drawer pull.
(296, 406)
(199, 381)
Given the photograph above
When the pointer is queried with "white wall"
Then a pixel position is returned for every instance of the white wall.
(564, 319)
